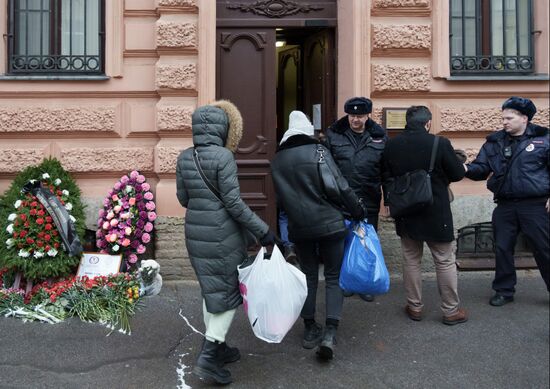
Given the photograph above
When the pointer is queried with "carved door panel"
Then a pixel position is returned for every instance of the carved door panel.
(289, 86)
(245, 69)
(319, 77)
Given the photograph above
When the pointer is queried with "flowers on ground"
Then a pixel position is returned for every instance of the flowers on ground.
(111, 300)
(126, 222)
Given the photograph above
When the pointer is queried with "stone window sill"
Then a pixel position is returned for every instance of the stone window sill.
(45, 77)
(531, 77)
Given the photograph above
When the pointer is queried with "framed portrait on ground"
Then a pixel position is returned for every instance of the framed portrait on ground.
(96, 264)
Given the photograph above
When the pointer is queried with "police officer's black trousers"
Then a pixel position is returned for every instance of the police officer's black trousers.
(531, 218)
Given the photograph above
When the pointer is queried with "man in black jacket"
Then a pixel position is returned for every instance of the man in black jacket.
(433, 224)
(356, 143)
(518, 157)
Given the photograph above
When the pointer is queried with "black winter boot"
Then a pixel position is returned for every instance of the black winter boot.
(326, 348)
(312, 335)
(228, 354)
(209, 366)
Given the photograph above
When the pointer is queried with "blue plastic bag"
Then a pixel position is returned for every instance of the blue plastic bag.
(363, 268)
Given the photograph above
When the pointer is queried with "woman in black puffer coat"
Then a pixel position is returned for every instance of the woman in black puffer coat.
(214, 229)
(315, 225)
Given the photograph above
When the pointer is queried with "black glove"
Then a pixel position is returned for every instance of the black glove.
(269, 239)
(361, 213)
(461, 155)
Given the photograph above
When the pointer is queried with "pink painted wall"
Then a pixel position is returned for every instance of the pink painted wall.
(137, 119)
(397, 53)
(160, 58)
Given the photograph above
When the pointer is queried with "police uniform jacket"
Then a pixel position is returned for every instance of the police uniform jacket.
(359, 162)
(518, 174)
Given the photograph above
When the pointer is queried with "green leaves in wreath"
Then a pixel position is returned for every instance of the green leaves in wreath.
(29, 240)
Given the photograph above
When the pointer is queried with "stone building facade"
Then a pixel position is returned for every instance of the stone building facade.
(160, 64)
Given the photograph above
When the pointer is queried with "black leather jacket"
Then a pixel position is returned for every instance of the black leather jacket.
(300, 193)
(360, 163)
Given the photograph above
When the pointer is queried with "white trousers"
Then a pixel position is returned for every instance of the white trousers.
(217, 324)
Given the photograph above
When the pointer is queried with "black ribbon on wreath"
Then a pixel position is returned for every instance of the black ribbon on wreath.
(59, 215)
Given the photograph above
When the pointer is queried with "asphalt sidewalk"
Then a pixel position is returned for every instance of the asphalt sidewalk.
(378, 346)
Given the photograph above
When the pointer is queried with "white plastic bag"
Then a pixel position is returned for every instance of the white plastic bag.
(273, 293)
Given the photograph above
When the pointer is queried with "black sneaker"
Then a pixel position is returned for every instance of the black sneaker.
(312, 335)
(367, 297)
(499, 300)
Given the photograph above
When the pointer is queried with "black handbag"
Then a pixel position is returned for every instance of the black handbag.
(328, 180)
(411, 192)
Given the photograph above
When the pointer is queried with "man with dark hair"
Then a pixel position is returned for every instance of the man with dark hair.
(433, 224)
(518, 157)
(356, 143)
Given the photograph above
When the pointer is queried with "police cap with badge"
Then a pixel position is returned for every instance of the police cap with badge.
(358, 106)
(522, 105)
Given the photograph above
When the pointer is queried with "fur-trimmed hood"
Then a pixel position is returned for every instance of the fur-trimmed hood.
(219, 123)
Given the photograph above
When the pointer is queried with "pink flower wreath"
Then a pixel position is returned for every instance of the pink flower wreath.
(126, 222)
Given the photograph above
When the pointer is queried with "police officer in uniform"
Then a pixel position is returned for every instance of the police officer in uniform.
(518, 157)
(356, 143)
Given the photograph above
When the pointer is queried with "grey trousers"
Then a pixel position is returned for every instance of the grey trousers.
(445, 268)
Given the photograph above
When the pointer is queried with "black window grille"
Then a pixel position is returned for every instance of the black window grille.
(56, 37)
(491, 36)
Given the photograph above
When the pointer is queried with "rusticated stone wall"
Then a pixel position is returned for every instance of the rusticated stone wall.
(408, 36)
(90, 159)
(166, 159)
(15, 160)
(171, 252)
(480, 119)
(170, 34)
(401, 78)
(178, 3)
(177, 76)
(400, 3)
(174, 118)
(56, 119)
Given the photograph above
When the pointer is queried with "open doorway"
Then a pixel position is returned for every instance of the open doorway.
(305, 75)
(248, 64)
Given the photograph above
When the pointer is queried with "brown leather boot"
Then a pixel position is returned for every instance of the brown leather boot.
(412, 314)
(459, 317)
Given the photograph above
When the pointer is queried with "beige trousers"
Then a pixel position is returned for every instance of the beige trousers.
(445, 268)
(217, 324)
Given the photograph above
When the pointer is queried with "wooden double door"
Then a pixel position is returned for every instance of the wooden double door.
(266, 83)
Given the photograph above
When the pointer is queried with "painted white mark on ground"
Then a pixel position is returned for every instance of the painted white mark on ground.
(182, 370)
(189, 324)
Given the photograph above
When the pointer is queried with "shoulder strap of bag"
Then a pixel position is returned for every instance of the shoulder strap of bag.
(434, 154)
(208, 184)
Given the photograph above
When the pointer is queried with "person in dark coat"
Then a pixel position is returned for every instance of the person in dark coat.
(356, 143)
(215, 231)
(518, 160)
(316, 226)
(433, 224)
